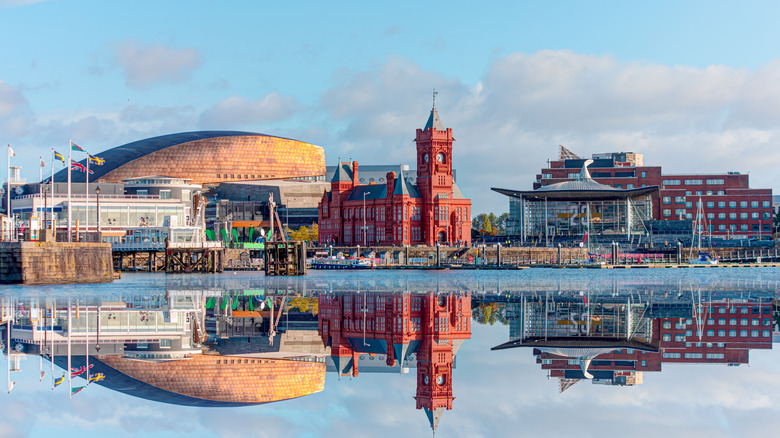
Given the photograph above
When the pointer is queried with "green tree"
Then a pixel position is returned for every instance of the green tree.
(305, 233)
(488, 226)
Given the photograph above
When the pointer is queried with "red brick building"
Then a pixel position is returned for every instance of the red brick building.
(730, 206)
(400, 327)
(398, 212)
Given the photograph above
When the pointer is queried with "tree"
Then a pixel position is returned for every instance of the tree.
(305, 233)
(488, 227)
(311, 305)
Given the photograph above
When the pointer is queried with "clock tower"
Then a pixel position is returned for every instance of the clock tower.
(434, 157)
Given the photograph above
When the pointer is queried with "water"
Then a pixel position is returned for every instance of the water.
(496, 393)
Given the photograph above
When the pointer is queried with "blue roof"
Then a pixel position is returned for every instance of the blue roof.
(124, 154)
(434, 121)
(343, 173)
(376, 346)
(373, 191)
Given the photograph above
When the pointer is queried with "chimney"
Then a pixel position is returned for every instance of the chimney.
(354, 174)
(390, 184)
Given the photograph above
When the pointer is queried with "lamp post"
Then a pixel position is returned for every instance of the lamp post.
(45, 206)
(365, 232)
(97, 195)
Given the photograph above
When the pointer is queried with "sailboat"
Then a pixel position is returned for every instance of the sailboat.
(703, 258)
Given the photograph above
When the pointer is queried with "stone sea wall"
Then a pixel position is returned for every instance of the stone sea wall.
(55, 262)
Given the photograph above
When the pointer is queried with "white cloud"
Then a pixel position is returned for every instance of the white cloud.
(684, 119)
(145, 65)
(238, 111)
(15, 114)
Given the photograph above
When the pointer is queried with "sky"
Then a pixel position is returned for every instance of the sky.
(691, 85)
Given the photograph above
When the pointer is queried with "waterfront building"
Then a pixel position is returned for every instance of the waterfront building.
(730, 207)
(207, 157)
(396, 328)
(576, 339)
(582, 207)
(398, 212)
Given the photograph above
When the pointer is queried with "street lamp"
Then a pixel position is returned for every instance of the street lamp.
(97, 195)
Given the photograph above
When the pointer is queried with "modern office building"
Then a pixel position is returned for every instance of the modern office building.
(731, 208)
(398, 212)
(206, 157)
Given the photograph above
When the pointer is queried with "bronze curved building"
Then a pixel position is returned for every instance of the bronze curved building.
(208, 380)
(206, 157)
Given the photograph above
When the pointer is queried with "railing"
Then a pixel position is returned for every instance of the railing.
(159, 246)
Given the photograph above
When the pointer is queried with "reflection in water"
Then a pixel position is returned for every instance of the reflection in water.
(266, 340)
(613, 339)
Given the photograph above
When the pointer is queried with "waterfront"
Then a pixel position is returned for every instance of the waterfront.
(496, 392)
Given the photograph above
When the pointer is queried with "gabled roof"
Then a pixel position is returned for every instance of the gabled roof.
(404, 187)
(372, 191)
(434, 121)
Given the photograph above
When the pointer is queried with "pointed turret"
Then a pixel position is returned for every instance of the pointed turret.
(434, 121)
(434, 416)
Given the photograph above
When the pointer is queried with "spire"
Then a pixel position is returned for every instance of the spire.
(434, 416)
(433, 120)
(340, 175)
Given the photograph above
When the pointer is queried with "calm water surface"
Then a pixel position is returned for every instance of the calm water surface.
(595, 353)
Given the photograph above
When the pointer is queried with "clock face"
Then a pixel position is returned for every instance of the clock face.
(440, 380)
(425, 158)
(19, 190)
(440, 157)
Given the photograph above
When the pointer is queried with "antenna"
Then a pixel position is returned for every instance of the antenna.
(434, 98)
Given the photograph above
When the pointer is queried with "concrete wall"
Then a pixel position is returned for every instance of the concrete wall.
(55, 262)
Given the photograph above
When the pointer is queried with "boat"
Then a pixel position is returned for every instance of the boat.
(703, 258)
(342, 263)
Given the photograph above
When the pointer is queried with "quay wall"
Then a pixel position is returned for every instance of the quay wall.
(55, 262)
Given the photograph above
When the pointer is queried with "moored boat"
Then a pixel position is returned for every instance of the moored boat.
(334, 263)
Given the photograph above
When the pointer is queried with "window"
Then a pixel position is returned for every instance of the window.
(754, 333)
(715, 356)
(754, 215)
(710, 332)
(710, 216)
(732, 204)
(715, 182)
(629, 186)
(142, 193)
(689, 204)
(742, 204)
(754, 204)
(693, 355)
(165, 343)
(732, 333)
(644, 174)
(667, 337)
(721, 216)
(721, 204)
(721, 333)
(692, 182)
(721, 321)
(679, 338)
(667, 212)
(743, 227)
(743, 333)
(721, 192)
(755, 321)
(679, 199)
(765, 204)
(667, 324)
(732, 215)
(667, 200)
(733, 321)
(165, 194)
(671, 355)
(710, 204)
(743, 215)
(671, 182)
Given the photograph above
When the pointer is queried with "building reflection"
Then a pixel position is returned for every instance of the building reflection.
(379, 331)
(613, 339)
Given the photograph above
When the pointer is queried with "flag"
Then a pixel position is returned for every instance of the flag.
(11, 386)
(11, 152)
(96, 377)
(76, 390)
(76, 147)
(58, 156)
(97, 160)
(80, 370)
(59, 381)
(77, 166)
(43, 163)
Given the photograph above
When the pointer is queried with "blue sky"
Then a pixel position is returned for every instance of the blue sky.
(692, 85)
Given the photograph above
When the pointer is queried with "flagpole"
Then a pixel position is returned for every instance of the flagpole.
(8, 196)
(70, 378)
(70, 234)
(51, 353)
(51, 184)
(86, 201)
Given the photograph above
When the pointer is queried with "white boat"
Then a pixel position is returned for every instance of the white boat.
(703, 258)
(335, 263)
